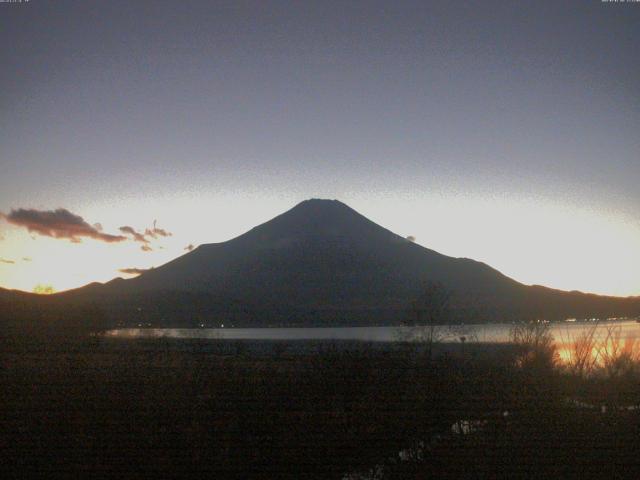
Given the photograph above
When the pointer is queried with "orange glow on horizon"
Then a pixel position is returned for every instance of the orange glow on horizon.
(43, 289)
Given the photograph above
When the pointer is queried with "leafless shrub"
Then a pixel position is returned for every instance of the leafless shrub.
(619, 357)
(535, 345)
(601, 350)
(430, 320)
(582, 354)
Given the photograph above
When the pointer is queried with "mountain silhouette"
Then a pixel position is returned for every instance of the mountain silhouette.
(322, 263)
(321, 253)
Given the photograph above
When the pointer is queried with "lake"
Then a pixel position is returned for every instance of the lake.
(563, 332)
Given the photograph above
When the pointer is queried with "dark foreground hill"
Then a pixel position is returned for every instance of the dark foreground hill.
(322, 263)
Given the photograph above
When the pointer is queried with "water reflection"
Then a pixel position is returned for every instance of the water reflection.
(577, 342)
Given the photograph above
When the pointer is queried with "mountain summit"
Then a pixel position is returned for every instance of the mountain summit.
(318, 219)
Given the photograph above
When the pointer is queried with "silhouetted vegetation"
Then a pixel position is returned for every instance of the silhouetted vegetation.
(135, 408)
(430, 320)
(45, 321)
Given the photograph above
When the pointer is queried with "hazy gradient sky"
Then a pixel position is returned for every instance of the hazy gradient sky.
(507, 132)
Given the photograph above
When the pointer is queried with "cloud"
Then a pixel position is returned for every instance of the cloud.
(59, 223)
(137, 236)
(411, 238)
(4, 260)
(157, 232)
(144, 237)
(189, 247)
(26, 259)
(133, 271)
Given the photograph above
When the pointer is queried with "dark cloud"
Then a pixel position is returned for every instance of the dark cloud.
(189, 247)
(4, 260)
(133, 271)
(59, 223)
(137, 236)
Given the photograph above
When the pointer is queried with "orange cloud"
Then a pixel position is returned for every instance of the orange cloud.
(142, 237)
(157, 232)
(59, 223)
(137, 236)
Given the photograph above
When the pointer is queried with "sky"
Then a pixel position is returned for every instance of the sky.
(507, 132)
